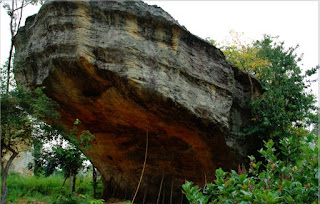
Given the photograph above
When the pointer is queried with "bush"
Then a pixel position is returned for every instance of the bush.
(293, 180)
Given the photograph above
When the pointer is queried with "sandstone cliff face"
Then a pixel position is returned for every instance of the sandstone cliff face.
(129, 71)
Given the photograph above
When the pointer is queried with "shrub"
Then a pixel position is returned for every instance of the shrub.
(292, 180)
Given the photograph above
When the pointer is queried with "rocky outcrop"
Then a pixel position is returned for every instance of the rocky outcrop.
(130, 73)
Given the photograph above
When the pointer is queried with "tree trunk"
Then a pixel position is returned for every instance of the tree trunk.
(74, 183)
(9, 66)
(70, 181)
(11, 45)
(4, 196)
(13, 30)
(65, 179)
(5, 171)
(94, 179)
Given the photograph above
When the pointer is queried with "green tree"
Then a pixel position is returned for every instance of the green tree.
(66, 153)
(16, 124)
(69, 158)
(284, 103)
(22, 113)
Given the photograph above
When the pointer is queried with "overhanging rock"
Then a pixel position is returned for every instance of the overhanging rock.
(129, 71)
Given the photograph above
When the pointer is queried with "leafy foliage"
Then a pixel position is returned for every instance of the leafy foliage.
(84, 139)
(288, 171)
(69, 159)
(293, 180)
(284, 103)
(242, 54)
(50, 189)
(65, 154)
(22, 114)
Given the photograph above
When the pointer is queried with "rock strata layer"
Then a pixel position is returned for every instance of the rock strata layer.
(130, 73)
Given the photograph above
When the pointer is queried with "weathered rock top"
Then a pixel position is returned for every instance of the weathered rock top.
(129, 71)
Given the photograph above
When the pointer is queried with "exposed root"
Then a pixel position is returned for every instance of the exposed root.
(160, 189)
(144, 165)
(144, 196)
(171, 191)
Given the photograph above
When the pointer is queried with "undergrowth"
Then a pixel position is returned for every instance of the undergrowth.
(290, 180)
(33, 189)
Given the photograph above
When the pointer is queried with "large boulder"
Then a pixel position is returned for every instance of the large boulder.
(131, 73)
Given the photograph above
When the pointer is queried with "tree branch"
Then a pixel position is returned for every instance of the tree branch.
(13, 30)
(21, 6)
(14, 154)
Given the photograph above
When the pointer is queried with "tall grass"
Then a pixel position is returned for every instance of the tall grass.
(48, 189)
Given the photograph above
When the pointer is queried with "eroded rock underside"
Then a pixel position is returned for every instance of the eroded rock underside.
(129, 71)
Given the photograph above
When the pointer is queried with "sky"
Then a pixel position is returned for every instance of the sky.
(295, 22)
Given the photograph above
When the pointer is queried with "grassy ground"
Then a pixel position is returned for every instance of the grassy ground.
(43, 190)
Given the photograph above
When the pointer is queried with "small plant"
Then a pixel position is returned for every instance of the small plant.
(68, 198)
(293, 180)
(194, 194)
(97, 201)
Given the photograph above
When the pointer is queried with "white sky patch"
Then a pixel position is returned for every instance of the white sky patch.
(5, 28)
(296, 22)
